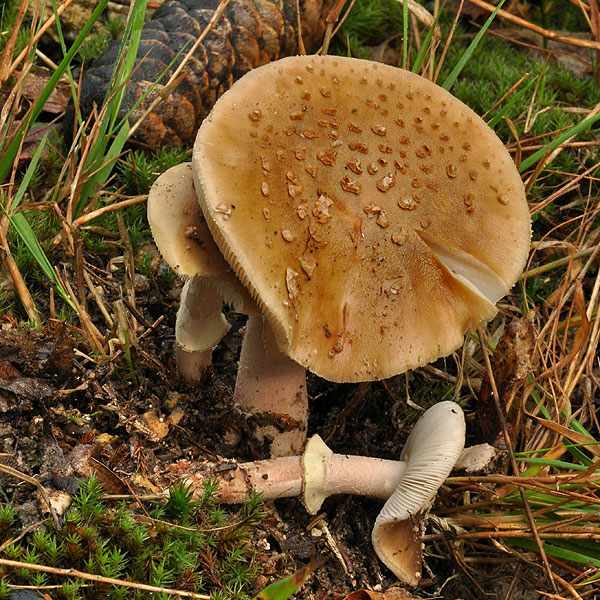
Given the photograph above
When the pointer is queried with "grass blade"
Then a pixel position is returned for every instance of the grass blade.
(26, 233)
(449, 82)
(563, 137)
(10, 154)
(516, 97)
(404, 33)
(110, 145)
(427, 41)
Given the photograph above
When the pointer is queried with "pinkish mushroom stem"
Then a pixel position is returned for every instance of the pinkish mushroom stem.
(272, 387)
(284, 478)
(410, 484)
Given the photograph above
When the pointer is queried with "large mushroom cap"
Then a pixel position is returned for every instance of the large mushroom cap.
(373, 216)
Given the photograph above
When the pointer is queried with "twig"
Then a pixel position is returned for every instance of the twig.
(14, 473)
(448, 40)
(551, 35)
(10, 42)
(17, 279)
(98, 578)
(21, 535)
(59, 11)
(86, 218)
(510, 91)
(331, 20)
(556, 263)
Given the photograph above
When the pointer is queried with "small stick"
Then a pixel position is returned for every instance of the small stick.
(17, 278)
(42, 30)
(108, 208)
(109, 580)
(448, 40)
(551, 35)
(512, 89)
(10, 42)
(10, 471)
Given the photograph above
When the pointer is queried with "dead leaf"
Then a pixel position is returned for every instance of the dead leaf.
(156, 424)
(511, 364)
(176, 416)
(59, 98)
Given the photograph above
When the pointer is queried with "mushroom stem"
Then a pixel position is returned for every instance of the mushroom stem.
(283, 477)
(273, 478)
(363, 475)
(273, 388)
(410, 484)
(199, 327)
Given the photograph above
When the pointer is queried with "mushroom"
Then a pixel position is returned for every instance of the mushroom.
(373, 217)
(264, 378)
(409, 485)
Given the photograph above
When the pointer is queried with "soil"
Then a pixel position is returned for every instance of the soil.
(57, 405)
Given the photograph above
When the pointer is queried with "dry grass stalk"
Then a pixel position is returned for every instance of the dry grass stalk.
(551, 35)
(99, 579)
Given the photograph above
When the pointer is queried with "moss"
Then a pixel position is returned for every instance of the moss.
(180, 549)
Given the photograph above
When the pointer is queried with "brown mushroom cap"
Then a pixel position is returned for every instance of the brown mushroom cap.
(373, 216)
(185, 241)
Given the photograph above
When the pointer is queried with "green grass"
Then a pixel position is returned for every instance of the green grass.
(138, 170)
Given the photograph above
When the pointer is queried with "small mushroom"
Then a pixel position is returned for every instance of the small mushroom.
(373, 217)
(409, 485)
(186, 245)
(265, 379)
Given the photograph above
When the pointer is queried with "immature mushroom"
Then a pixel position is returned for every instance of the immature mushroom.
(409, 485)
(373, 216)
(186, 244)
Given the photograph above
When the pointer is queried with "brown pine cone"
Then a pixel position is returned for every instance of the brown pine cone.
(249, 34)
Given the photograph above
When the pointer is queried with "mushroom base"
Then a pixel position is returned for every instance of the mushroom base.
(272, 387)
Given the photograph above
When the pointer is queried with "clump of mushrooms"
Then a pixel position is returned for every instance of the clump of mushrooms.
(185, 242)
(373, 219)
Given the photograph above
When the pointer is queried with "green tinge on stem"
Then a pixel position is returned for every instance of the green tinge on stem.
(449, 82)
